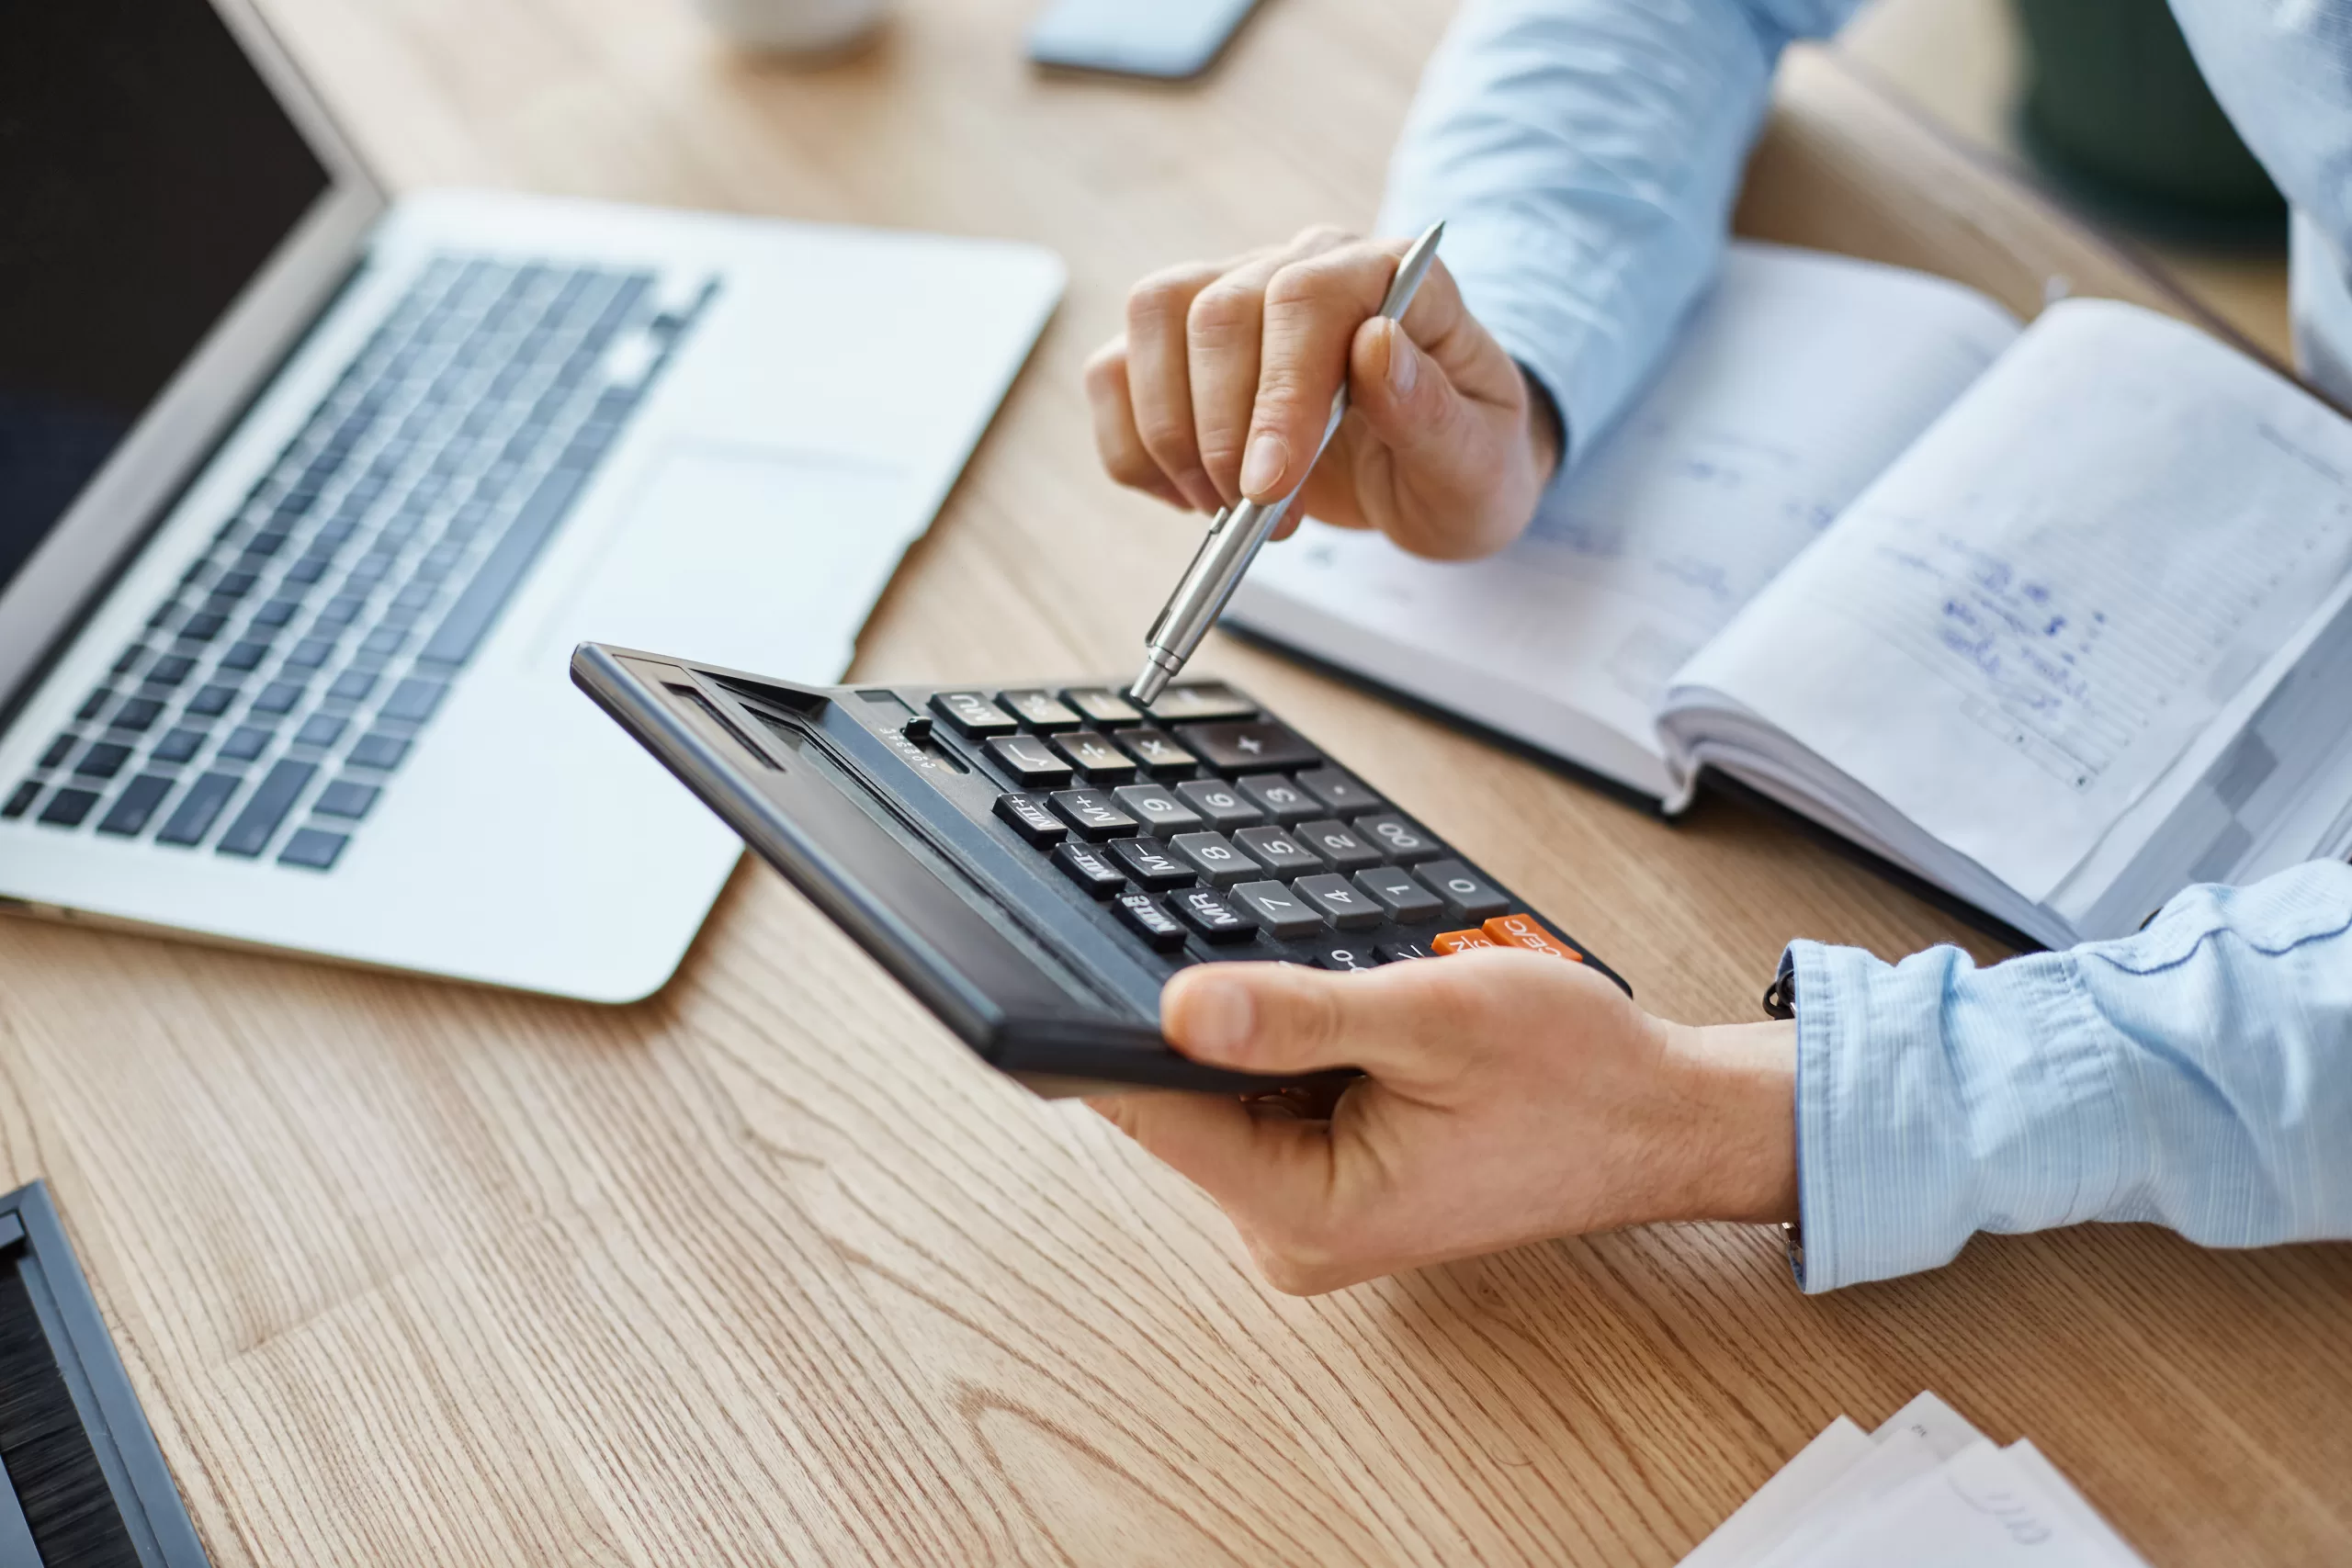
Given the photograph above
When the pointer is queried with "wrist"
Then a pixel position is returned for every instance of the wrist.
(1739, 1082)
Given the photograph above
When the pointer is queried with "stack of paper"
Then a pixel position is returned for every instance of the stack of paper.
(1926, 1489)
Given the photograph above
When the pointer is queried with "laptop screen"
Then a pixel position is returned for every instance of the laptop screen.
(147, 173)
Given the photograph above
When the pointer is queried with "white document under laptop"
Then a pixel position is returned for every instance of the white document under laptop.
(306, 495)
(2058, 618)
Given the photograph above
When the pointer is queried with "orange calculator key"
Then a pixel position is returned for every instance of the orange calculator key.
(1459, 942)
(1522, 932)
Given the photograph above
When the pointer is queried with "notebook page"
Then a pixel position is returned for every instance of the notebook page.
(1798, 379)
(2026, 621)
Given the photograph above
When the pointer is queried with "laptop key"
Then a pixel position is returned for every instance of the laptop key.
(136, 714)
(68, 806)
(314, 849)
(103, 759)
(245, 655)
(1157, 807)
(378, 750)
(352, 686)
(1091, 868)
(1031, 820)
(246, 742)
(179, 745)
(276, 613)
(320, 729)
(257, 823)
(135, 808)
(20, 799)
(1142, 914)
(58, 750)
(1029, 760)
(1406, 900)
(1280, 799)
(347, 797)
(170, 670)
(1219, 804)
(1280, 913)
(1345, 905)
(278, 697)
(1218, 862)
(1091, 813)
(1468, 896)
(212, 702)
(94, 705)
(414, 700)
(1205, 910)
(1248, 744)
(309, 653)
(203, 626)
(1338, 844)
(1148, 862)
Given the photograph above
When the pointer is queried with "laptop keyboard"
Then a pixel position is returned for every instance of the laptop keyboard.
(276, 691)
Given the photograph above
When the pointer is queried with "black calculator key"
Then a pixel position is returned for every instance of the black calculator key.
(1214, 856)
(1339, 845)
(1340, 901)
(1219, 804)
(1468, 896)
(1402, 951)
(1157, 807)
(254, 826)
(1205, 910)
(1405, 899)
(1095, 756)
(179, 745)
(345, 798)
(102, 761)
(1144, 915)
(972, 713)
(1150, 864)
(1180, 704)
(20, 800)
(1030, 818)
(137, 713)
(1280, 799)
(1262, 743)
(1099, 705)
(210, 702)
(1401, 839)
(1040, 710)
(1277, 851)
(1091, 812)
(244, 743)
(1343, 794)
(1350, 958)
(58, 750)
(1028, 760)
(68, 806)
(1281, 913)
(170, 670)
(314, 849)
(136, 805)
(1157, 751)
(1091, 868)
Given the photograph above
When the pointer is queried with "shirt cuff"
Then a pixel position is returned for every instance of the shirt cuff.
(1936, 1100)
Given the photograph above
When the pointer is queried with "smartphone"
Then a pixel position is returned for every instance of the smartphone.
(1167, 38)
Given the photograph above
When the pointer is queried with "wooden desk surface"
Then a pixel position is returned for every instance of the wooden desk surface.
(766, 1270)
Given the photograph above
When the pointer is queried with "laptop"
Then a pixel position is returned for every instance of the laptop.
(307, 494)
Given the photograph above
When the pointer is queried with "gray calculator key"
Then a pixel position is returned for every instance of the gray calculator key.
(972, 713)
(1157, 751)
(1095, 756)
(1205, 910)
(1039, 710)
(1403, 840)
(1405, 899)
(1180, 703)
(1337, 843)
(1340, 902)
(1279, 799)
(1220, 803)
(1148, 862)
(1091, 812)
(1157, 807)
(1029, 760)
(1468, 896)
(1280, 913)
(1277, 851)
(1103, 706)
(1343, 794)
(1214, 856)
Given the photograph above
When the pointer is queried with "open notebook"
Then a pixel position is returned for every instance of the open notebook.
(2058, 618)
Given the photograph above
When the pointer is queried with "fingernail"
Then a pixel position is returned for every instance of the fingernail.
(1404, 362)
(1218, 1017)
(1262, 469)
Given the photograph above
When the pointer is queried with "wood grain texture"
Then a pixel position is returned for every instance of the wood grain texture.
(767, 1269)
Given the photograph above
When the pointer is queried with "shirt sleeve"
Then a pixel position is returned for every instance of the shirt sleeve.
(2198, 1074)
(1584, 155)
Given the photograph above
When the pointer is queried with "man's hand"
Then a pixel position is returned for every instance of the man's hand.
(1221, 386)
(1510, 1098)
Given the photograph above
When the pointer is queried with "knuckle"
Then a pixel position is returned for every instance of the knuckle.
(1318, 237)
(1161, 297)
(1221, 312)
(1301, 285)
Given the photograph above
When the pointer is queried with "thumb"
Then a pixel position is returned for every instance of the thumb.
(1394, 1024)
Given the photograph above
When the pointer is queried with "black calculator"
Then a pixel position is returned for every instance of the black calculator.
(1035, 860)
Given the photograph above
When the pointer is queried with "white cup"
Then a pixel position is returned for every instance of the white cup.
(794, 26)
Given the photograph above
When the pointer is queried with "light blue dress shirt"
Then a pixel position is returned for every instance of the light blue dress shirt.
(1585, 154)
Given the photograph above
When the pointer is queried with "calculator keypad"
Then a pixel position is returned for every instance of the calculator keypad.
(1205, 829)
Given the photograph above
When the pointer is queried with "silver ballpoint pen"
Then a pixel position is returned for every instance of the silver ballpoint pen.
(1236, 532)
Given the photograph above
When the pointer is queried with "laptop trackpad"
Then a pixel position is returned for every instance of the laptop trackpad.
(760, 558)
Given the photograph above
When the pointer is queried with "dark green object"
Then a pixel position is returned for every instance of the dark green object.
(2117, 110)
